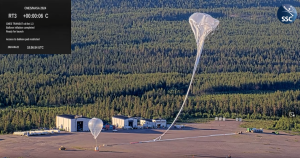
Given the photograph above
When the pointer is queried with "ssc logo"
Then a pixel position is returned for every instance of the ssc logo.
(287, 14)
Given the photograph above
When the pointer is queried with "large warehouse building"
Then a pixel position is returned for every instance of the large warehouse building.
(123, 121)
(72, 123)
(153, 123)
(147, 123)
(160, 122)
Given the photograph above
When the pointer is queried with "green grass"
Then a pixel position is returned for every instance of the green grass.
(265, 124)
(292, 132)
(79, 148)
(196, 120)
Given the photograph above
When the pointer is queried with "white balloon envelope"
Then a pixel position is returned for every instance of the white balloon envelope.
(95, 126)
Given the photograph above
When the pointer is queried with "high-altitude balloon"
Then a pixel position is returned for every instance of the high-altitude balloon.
(95, 126)
(202, 24)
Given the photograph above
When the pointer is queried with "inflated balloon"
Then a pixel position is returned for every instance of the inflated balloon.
(202, 24)
(95, 126)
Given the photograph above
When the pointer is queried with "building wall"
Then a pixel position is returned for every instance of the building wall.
(126, 122)
(154, 123)
(64, 123)
(119, 123)
(85, 123)
(135, 123)
(163, 123)
(70, 125)
(57, 122)
(143, 122)
(74, 127)
(69, 128)
(60, 122)
(147, 123)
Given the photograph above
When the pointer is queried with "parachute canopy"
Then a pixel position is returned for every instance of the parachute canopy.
(202, 24)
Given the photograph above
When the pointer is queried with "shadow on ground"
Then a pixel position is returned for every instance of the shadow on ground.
(110, 152)
(73, 150)
(272, 134)
(229, 120)
(156, 131)
(208, 156)
(53, 135)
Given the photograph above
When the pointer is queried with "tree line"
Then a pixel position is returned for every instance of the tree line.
(247, 95)
(21, 89)
(157, 104)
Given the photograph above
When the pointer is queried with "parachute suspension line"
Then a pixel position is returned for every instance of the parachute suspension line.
(187, 93)
(202, 24)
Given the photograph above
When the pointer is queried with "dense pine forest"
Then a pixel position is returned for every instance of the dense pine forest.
(136, 57)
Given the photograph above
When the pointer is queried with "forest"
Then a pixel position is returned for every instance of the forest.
(136, 57)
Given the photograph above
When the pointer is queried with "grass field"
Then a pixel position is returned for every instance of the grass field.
(196, 120)
(265, 124)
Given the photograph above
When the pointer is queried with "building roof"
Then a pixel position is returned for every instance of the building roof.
(123, 117)
(71, 116)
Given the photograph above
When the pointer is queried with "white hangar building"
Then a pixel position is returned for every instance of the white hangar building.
(123, 121)
(160, 122)
(72, 123)
(147, 123)
(153, 123)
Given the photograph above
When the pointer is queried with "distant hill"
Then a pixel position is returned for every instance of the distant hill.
(191, 4)
(132, 36)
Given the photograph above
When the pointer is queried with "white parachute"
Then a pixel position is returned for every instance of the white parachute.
(202, 24)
